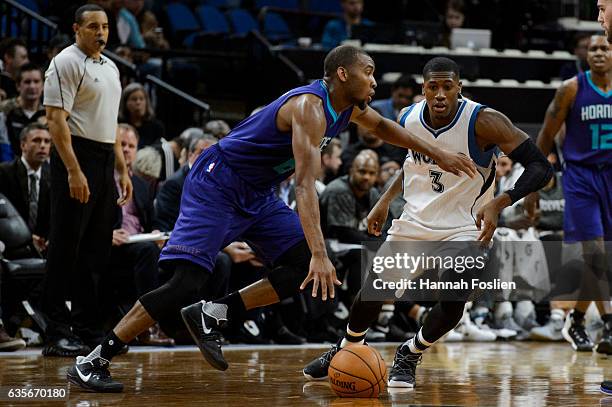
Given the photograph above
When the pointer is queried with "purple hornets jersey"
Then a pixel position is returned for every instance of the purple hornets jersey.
(261, 154)
(588, 138)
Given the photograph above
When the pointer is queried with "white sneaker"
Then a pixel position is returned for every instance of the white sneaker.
(549, 332)
(453, 336)
(471, 332)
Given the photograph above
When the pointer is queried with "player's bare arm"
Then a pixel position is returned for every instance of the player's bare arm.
(393, 133)
(495, 129)
(60, 133)
(308, 120)
(556, 113)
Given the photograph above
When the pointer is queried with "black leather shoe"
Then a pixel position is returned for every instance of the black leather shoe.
(65, 347)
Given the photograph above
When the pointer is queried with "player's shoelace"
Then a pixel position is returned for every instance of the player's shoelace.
(406, 364)
(326, 358)
(578, 333)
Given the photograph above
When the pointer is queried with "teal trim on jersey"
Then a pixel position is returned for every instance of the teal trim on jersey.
(328, 104)
(595, 88)
(402, 121)
(481, 158)
(436, 133)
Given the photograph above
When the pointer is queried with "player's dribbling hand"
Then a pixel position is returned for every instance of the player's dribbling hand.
(79, 189)
(488, 216)
(377, 218)
(321, 272)
(456, 163)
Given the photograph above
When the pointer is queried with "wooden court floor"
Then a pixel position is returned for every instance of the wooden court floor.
(457, 374)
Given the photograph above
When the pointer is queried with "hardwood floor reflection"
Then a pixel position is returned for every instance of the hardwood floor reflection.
(458, 374)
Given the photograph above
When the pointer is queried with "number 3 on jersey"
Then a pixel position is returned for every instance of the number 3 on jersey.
(436, 185)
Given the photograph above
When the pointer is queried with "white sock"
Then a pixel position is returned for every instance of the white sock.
(355, 335)
(418, 344)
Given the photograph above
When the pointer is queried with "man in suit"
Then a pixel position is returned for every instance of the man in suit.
(25, 181)
(134, 218)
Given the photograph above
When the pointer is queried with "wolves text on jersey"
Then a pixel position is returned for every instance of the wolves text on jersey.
(420, 158)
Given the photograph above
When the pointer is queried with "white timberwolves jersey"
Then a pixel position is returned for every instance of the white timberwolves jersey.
(439, 204)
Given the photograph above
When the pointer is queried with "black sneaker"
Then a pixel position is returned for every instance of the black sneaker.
(402, 372)
(317, 369)
(575, 333)
(605, 344)
(202, 320)
(93, 375)
(606, 387)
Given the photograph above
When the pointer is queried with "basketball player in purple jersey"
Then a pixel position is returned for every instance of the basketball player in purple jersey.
(584, 105)
(229, 195)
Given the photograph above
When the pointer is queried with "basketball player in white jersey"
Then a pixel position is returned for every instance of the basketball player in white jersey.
(441, 206)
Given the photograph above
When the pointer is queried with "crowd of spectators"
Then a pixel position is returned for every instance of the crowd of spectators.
(355, 169)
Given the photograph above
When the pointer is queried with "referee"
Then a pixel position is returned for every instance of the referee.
(82, 93)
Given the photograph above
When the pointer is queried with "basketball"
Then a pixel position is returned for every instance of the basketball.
(357, 371)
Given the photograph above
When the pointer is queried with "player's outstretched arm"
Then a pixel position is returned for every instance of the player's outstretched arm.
(393, 133)
(495, 129)
(308, 127)
(378, 215)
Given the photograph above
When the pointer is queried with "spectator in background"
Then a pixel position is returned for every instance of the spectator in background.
(25, 108)
(454, 17)
(14, 54)
(148, 166)
(25, 182)
(330, 164)
(371, 142)
(388, 168)
(126, 30)
(169, 197)
(56, 44)
(339, 29)
(136, 110)
(218, 128)
(140, 258)
(402, 92)
(581, 48)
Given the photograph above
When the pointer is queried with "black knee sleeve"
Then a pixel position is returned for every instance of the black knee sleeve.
(443, 317)
(291, 269)
(181, 290)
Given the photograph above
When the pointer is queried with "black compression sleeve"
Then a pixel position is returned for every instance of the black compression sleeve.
(538, 170)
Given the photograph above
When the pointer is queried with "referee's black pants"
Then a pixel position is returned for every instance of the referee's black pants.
(80, 239)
